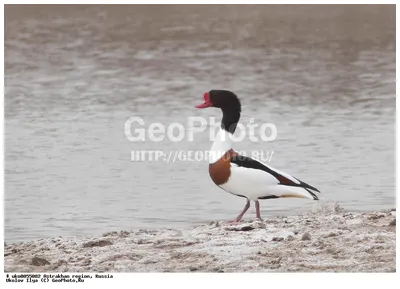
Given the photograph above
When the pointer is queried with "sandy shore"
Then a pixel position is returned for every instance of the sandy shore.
(322, 240)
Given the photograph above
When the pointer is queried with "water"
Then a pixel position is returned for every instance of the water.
(324, 75)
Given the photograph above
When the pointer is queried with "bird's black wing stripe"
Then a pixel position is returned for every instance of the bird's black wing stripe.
(269, 197)
(247, 162)
(312, 194)
(304, 185)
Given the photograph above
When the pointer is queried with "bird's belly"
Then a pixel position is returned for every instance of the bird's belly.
(250, 192)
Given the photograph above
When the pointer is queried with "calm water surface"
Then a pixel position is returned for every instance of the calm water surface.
(325, 76)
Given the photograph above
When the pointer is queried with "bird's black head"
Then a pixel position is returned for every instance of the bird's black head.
(223, 99)
(228, 102)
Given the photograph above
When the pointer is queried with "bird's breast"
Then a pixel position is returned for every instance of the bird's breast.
(220, 171)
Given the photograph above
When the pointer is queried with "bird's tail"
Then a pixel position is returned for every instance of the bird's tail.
(297, 192)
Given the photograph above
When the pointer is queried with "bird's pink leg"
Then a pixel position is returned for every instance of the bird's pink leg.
(240, 216)
(258, 212)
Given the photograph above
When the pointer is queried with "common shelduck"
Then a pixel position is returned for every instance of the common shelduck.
(241, 175)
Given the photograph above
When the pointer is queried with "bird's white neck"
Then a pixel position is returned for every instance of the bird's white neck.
(221, 145)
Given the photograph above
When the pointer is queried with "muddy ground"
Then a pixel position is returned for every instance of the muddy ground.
(322, 240)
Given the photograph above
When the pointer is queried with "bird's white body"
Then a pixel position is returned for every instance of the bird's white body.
(253, 183)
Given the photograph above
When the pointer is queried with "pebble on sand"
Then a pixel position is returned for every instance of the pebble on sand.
(290, 238)
(38, 261)
(306, 237)
(99, 243)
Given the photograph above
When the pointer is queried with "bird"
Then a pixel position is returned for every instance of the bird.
(241, 175)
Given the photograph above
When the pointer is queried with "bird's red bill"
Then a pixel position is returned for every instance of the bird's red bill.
(207, 102)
